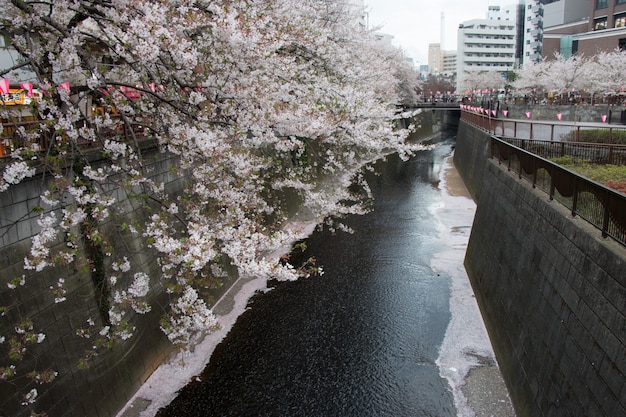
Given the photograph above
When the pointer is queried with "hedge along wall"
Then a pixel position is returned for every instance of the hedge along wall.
(102, 384)
(551, 290)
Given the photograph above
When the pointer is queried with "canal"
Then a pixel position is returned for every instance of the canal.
(366, 337)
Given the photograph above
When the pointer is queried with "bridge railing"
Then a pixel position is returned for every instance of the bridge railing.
(602, 207)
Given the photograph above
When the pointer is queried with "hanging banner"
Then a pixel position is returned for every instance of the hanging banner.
(4, 86)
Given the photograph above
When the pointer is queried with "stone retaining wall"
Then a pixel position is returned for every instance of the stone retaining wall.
(551, 290)
(109, 379)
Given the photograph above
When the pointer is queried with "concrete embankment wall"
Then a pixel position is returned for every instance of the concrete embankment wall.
(551, 290)
(101, 384)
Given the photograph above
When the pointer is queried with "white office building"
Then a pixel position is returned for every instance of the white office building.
(487, 44)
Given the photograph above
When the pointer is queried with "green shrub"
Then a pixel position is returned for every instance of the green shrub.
(617, 136)
(612, 176)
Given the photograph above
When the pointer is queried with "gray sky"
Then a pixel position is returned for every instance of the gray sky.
(416, 23)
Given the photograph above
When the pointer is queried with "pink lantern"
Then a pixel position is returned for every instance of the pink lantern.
(528, 115)
(28, 87)
(4, 86)
(604, 118)
(493, 112)
(506, 113)
(559, 116)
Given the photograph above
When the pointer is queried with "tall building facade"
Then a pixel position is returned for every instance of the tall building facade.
(532, 24)
(488, 44)
(435, 58)
(585, 27)
(449, 63)
(562, 20)
(607, 27)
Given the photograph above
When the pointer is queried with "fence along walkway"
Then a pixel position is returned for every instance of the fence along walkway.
(601, 206)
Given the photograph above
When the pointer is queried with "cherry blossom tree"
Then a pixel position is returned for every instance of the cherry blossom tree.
(531, 78)
(608, 72)
(475, 81)
(600, 74)
(252, 98)
(566, 75)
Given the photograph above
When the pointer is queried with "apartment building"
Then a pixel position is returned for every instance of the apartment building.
(435, 58)
(531, 20)
(449, 63)
(488, 44)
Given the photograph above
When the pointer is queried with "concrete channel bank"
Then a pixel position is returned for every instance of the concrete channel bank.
(551, 290)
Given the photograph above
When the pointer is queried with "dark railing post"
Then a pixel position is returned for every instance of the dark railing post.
(605, 222)
(575, 197)
(551, 193)
(552, 132)
(535, 169)
(531, 130)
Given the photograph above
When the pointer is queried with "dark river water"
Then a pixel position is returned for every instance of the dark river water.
(360, 340)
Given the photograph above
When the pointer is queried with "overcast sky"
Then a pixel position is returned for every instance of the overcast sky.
(416, 23)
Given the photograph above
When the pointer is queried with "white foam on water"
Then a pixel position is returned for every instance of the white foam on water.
(466, 336)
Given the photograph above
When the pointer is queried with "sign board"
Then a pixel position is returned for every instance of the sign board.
(19, 97)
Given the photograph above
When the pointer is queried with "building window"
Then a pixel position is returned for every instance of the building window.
(599, 24)
(620, 20)
(622, 44)
(620, 1)
(602, 4)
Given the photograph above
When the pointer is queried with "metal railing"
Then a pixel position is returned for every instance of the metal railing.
(601, 206)
(595, 153)
(540, 129)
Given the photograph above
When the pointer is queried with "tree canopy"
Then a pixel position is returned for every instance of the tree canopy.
(252, 97)
(604, 73)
